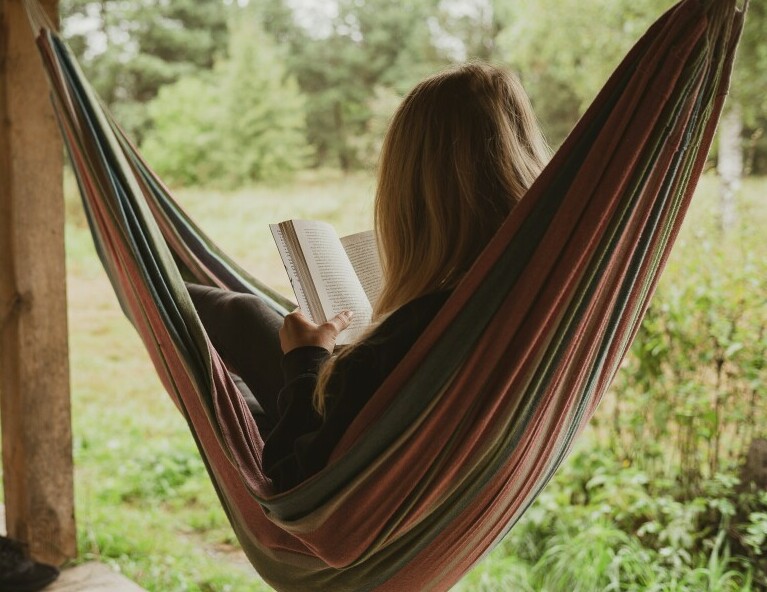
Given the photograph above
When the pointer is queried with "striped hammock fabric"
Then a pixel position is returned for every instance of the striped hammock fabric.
(468, 429)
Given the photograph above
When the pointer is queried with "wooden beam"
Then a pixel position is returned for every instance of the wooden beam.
(34, 365)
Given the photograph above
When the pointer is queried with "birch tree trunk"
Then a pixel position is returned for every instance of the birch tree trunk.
(730, 165)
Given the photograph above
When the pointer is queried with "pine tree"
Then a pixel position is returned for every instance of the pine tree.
(346, 61)
(184, 141)
(131, 48)
(242, 122)
(265, 123)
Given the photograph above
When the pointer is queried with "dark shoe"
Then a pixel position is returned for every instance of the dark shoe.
(18, 573)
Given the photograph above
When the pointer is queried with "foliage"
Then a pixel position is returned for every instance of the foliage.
(755, 157)
(266, 126)
(242, 122)
(131, 49)
(347, 54)
(600, 527)
(341, 58)
(565, 50)
(605, 521)
(748, 87)
(751, 67)
(693, 392)
(185, 144)
(654, 500)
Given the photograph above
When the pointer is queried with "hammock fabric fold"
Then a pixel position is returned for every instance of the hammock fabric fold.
(468, 429)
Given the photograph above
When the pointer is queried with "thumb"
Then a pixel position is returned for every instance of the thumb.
(342, 320)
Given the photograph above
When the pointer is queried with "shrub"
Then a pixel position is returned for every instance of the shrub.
(243, 122)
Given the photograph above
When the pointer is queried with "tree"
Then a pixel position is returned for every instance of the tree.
(347, 61)
(467, 29)
(242, 122)
(564, 50)
(266, 113)
(746, 109)
(750, 75)
(129, 49)
(183, 144)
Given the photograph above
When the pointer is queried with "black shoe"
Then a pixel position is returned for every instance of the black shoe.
(18, 573)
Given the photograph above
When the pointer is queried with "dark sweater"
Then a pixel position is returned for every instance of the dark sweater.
(302, 441)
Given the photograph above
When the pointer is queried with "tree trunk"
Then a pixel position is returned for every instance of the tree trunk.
(754, 470)
(730, 165)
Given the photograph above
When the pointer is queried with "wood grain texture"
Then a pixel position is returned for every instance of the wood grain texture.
(34, 366)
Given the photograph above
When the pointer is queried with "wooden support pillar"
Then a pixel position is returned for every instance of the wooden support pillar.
(34, 359)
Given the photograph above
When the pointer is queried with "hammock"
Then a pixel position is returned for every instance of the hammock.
(471, 425)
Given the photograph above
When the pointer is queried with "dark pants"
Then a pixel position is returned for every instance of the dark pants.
(245, 333)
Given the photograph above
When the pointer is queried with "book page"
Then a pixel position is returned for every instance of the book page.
(335, 280)
(362, 250)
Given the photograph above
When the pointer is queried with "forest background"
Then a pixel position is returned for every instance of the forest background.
(223, 94)
(265, 110)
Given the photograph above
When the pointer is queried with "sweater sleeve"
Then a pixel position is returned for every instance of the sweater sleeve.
(282, 462)
(302, 441)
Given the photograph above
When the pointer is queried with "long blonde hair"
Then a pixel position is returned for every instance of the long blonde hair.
(460, 152)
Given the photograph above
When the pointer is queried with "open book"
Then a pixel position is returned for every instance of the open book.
(330, 274)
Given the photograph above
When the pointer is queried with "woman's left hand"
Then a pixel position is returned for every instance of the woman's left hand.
(298, 331)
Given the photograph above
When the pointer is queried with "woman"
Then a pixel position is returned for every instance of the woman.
(460, 152)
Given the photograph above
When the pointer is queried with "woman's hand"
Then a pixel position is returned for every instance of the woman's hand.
(298, 331)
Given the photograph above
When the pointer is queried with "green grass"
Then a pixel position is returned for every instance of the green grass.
(144, 502)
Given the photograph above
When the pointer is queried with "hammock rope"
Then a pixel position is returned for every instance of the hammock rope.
(471, 425)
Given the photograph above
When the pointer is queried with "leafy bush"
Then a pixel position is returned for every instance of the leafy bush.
(242, 122)
(693, 392)
(653, 499)
(598, 527)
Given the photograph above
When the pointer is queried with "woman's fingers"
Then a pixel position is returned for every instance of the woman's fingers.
(298, 331)
(298, 318)
(341, 321)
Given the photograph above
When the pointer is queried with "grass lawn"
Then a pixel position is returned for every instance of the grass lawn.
(144, 503)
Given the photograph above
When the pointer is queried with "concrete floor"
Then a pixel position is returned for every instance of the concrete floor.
(92, 577)
(88, 577)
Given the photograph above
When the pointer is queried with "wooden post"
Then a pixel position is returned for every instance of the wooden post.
(34, 364)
